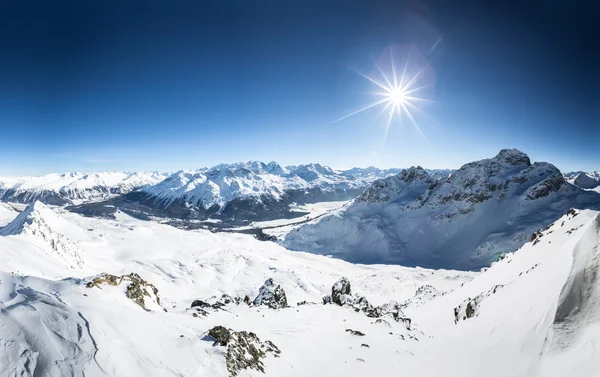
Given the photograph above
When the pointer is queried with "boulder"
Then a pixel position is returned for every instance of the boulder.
(272, 295)
(244, 349)
(340, 291)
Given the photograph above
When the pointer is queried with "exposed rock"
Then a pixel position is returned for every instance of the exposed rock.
(244, 349)
(382, 322)
(340, 295)
(549, 185)
(200, 304)
(365, 345)
(213, 304)
(138, 289)
(301, 303)
(340, 290)
(220, 334)
(423, 294)
(536, 236)
(469, 308)
(382, 190)
(272, 295)
(355, 332)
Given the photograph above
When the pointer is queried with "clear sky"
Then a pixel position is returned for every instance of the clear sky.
(169, 85)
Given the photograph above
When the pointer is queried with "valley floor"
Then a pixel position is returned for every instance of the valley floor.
(534, 313)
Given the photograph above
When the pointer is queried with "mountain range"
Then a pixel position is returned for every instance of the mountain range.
(232, 192)
(464, 221)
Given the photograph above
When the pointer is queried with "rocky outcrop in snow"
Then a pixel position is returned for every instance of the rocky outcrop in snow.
(341, 295)
(469, 308)
(137, 289)
(244, 349)
(461, 221)
(271, 295)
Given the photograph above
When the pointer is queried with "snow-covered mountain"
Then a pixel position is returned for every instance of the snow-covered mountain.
(65, 188)
(152, 300)
(42, 227)
(239, 191)
(465, 221)
(221, 184)
(586, 180)
(570, 176)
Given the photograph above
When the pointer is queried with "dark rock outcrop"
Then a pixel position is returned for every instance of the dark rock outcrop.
(244, 349)
(271, 295)
(469, 308)
(341, 295)
(138, 289)
(340, 291)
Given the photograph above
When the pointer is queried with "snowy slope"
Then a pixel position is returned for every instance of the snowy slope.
(533, 314)
(64, 188)
(41, 227)
(464, 221)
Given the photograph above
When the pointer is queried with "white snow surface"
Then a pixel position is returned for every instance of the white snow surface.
(542, 322)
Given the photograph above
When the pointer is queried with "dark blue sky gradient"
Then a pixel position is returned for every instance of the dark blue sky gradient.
(165, 85)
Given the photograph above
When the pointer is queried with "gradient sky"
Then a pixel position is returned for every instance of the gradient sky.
(169, 85)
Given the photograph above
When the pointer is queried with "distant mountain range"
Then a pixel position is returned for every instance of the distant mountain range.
(233, 192)
(61, 189)
(238, 193)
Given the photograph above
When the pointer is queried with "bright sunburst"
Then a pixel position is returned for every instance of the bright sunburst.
(399, 91)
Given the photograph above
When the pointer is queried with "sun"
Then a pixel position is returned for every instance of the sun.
(396, 96)
(400, 91)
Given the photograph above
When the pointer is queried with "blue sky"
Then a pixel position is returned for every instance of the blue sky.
(152, 85)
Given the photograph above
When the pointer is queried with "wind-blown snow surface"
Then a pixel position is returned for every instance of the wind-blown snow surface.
(65, 188)
(541, 320)
(483, 209)
(535, 312)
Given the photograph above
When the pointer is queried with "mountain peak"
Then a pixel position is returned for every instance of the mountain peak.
(584, 181)
(25, 219)
(40, 223)
(513, 157)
